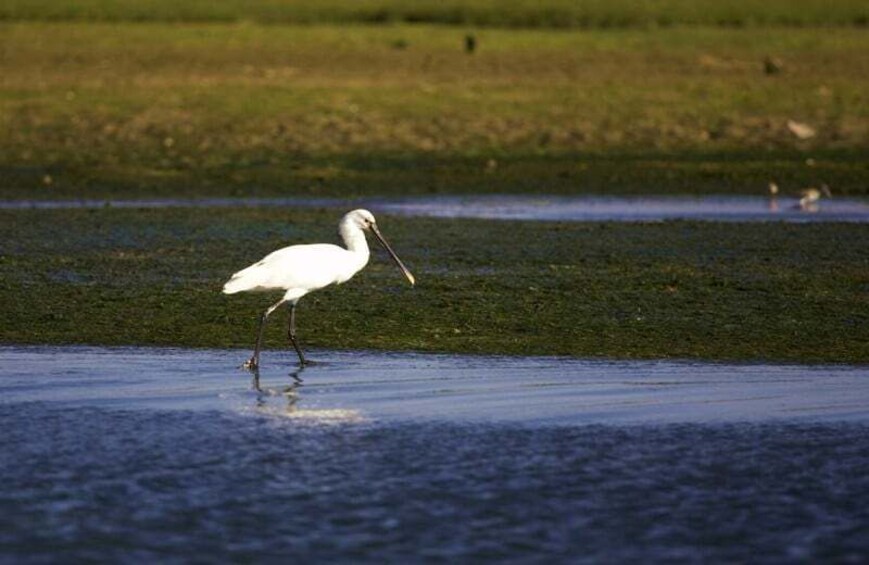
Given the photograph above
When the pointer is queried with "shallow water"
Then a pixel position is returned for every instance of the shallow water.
(139, 453)
(627, 209)
(524, 207)
(400, 387)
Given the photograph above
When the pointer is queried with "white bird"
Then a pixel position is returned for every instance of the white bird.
(801, 130)
(810, 196)
(299, 269)
(773, 197)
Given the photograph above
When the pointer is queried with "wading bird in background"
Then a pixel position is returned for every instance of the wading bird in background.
(773, 197)
(810, 196)
(299, 269)
(801, 130)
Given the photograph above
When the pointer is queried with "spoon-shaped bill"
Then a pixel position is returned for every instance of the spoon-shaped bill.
(393, 255)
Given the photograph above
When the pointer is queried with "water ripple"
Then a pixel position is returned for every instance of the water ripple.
(139, 454)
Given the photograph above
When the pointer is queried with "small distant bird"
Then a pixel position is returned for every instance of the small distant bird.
(773, 197)
(801, 130)
(809, 197)
(470, 43)
(300, 269)
(772, 65)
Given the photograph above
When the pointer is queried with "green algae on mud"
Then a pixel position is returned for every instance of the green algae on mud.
(771, 291)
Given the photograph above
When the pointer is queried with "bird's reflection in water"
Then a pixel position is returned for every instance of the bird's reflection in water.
(293, 408)
(290, 392)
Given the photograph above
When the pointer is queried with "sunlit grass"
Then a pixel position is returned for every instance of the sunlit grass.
(503, 13)
(246, 109)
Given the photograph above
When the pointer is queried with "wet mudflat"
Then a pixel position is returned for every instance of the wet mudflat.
(131, 453)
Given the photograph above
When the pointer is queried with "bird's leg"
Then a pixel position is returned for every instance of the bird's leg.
(291, 333)
(253, 362)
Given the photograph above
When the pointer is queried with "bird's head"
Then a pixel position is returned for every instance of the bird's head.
(361, 218)
(364, 220)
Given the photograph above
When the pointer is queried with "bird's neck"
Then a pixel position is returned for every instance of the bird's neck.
(354, 239)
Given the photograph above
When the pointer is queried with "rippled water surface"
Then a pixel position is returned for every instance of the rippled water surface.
(176, 455)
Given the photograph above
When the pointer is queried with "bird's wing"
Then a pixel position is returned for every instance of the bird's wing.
(304, 267)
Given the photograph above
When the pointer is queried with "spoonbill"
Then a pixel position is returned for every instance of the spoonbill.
(300, 269)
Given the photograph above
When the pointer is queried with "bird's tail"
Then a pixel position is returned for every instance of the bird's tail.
(246, 279)
(233, 285)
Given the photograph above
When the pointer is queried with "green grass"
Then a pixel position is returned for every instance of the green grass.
(201, 100)
(779, 292)
(503, 13)
(124, 110)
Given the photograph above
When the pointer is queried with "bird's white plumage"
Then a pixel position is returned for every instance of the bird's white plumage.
(299, 269)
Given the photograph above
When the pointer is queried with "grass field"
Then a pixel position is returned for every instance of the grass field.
(504, 13)
(163, 109)
(672, 290)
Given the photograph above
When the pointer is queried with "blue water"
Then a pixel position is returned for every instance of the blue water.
(629, 209)
(137, 454)
(528, 207)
